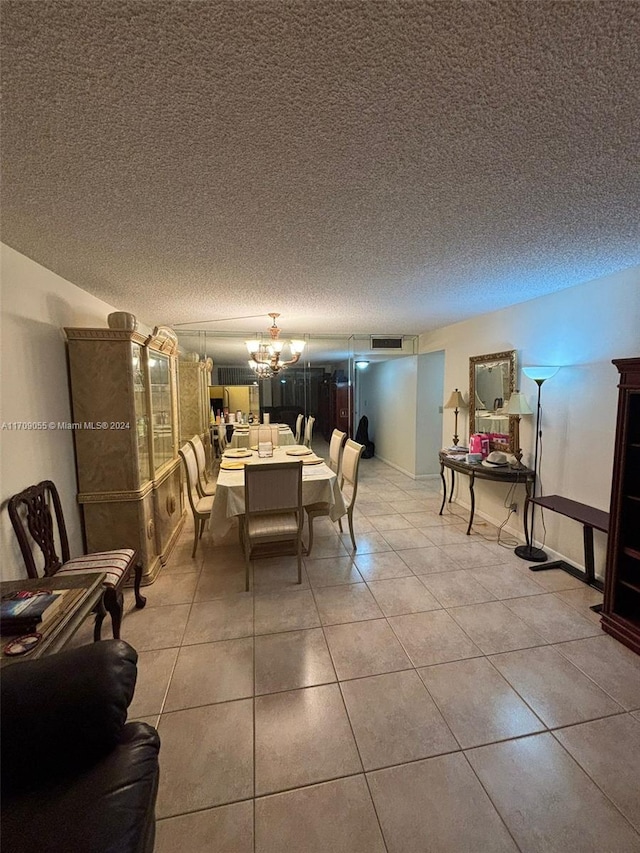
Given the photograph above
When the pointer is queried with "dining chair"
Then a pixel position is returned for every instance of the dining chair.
(350, 464)
(222, 438)
(336, 445)
(204, 486)
(308, 431)
(200, 506)
(272, 508)
(322, 507)
(33, 523)
(298, 435)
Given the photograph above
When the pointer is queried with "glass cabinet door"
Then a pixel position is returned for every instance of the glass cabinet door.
(142, 418)
(162, 421)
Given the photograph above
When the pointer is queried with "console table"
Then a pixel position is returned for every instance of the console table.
(477, 470)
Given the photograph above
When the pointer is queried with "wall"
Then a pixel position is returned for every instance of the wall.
(429, 412)
(581, 329)
(36, 305)
(388, 397)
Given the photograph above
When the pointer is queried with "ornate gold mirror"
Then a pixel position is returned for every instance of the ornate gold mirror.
(492, 380)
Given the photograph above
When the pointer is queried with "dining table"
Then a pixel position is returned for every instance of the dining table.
(319, 485)
(241, 436)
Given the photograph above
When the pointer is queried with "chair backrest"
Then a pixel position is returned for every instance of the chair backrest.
(308, 430)
(299, 421)
(335, 449)
(222, 437)
(30, 514)
(273, 488)
(350, 464)
(188, 456)
(201, 464)
(201, 456)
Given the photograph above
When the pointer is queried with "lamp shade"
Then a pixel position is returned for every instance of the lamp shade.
(539, 373)
(518, 405)
(455, 401)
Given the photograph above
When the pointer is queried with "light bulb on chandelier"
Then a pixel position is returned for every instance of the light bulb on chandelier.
(266, 356)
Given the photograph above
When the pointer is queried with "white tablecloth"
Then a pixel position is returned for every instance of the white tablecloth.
(319, 483)
(241, 438)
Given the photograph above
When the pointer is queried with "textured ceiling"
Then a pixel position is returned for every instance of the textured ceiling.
(359, 166)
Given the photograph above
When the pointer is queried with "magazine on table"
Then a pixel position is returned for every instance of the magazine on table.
(27, 610)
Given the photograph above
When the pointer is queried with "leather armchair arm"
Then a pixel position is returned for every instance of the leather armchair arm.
(106, 808)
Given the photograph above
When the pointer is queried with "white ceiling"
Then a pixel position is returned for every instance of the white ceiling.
(358, 166)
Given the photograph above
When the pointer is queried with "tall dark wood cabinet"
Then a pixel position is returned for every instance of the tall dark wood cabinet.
(621, 611)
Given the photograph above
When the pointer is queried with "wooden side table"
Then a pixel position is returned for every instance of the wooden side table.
(591, 519)
(62, 627)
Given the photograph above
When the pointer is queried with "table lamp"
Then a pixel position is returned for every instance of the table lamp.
(539, 375)
(455, 402)
(518, 406)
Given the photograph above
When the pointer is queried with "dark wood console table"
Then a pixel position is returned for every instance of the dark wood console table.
(591, 519)
(482, 472)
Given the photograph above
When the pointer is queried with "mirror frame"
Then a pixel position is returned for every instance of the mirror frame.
(476, 360)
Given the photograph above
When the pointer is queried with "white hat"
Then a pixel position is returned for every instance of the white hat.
(495, 460)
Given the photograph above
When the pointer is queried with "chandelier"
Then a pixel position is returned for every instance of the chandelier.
(265, 357)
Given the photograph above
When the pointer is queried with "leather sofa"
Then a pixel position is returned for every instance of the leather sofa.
(76, 777)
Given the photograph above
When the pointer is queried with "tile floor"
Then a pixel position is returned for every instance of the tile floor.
(427, 693)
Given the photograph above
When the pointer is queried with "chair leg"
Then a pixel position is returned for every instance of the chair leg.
(310, 545)
(247, 563)
(353, 538)
(101, 612)
(196, 528)
(340, 524)
(140, 599)
(114, 602)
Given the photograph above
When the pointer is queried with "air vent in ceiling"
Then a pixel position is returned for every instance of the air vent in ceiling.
(386, 343)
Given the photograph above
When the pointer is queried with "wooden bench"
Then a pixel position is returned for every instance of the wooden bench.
(591, 519)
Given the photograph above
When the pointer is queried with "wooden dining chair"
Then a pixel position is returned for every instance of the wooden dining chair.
(322, 507)
(273, 509)
(200, 506)
(350, 464)
(33, 523)
(204, 486)
(298, 434)
(308, 431)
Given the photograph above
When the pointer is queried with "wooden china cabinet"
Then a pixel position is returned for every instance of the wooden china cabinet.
(621, 611)
(125, 412)
(193, 396)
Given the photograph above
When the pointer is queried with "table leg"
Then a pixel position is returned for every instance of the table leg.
(589, 567)
(453, 482)
(444, 489)
(473, 502)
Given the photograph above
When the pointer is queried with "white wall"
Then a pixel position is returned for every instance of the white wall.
(581, 329)
(388, 397)
(429, 412)
(36, 305)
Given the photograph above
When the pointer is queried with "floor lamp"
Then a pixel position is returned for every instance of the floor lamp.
(455, 402)
(539, 375)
